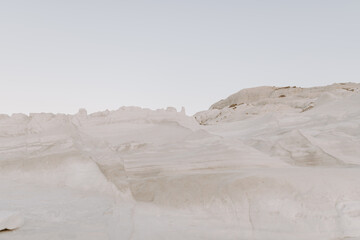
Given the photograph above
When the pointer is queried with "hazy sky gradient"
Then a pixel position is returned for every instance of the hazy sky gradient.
(58, 56)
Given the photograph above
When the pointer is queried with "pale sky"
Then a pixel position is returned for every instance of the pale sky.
(59, 56)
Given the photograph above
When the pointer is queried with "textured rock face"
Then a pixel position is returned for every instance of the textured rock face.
(263, 95)
(262, 100)
(266, 163)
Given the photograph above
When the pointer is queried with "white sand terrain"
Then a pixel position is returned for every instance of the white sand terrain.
(265, 163)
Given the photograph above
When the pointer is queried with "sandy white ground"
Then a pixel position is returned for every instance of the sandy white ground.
(266, 163)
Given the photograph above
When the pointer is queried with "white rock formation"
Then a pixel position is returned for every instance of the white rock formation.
(258, 166)
(263, 100)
